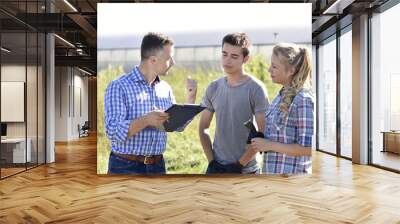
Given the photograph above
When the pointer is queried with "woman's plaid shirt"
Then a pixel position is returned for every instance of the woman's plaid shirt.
(298, 128)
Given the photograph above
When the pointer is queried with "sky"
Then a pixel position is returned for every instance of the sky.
(130, 20)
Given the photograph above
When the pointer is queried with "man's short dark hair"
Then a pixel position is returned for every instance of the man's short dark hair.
(152, 43)
(238, 39)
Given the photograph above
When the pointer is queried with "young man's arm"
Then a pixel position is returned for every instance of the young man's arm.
(249, 155)
(260, 106)
(260, 103)
(205, 139)
(260, 120)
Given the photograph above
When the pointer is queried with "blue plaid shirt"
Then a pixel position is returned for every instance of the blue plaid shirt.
(297, 129)
(128, 98)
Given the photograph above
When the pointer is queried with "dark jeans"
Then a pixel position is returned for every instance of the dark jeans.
(215, 167)
(119, 165)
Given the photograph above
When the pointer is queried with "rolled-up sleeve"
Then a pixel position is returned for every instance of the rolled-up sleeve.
(305, 122)
(116, 125)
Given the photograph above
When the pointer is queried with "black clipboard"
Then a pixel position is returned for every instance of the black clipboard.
(181, 115)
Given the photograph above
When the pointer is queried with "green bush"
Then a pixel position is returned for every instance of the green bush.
(259, 68)
(184, 154)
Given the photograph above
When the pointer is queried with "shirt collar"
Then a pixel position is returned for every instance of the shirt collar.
(137, 76)
(280, 92)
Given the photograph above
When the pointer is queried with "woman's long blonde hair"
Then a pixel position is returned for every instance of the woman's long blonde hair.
(298, 58)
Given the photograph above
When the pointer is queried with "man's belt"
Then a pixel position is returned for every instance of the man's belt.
(147, 160)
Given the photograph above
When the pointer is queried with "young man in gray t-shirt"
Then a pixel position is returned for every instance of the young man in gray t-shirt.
(235, 99)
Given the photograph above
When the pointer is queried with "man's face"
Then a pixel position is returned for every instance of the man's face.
(165, 60)
(232, 58)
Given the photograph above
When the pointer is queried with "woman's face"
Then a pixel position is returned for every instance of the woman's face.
(279, 71)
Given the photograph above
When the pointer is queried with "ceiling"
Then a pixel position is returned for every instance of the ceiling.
(76, 22)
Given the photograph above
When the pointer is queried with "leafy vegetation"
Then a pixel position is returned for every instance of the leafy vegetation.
(184, 154)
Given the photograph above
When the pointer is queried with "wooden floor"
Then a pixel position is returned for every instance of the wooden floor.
(70, 191)
(10, 171)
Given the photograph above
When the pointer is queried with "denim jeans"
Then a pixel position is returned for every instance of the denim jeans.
(119, 165)
(217, 168)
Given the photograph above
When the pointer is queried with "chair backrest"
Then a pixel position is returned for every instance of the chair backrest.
(86, 125)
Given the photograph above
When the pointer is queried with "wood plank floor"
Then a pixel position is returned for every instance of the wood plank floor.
(10, 171)
(70, 191)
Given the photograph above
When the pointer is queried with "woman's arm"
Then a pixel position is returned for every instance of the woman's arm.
(263, 145)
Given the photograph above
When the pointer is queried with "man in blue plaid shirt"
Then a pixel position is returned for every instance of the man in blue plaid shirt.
(134, 105)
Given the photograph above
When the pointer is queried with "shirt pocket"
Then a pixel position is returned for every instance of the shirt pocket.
(139, 103)
(163, 103)
(163, 98)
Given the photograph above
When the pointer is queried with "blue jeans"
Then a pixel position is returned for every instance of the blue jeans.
(119, 165)
(215, 167)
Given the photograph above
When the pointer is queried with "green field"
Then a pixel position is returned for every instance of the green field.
(184, 154)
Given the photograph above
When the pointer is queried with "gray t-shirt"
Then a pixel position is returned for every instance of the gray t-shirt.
(233, 106)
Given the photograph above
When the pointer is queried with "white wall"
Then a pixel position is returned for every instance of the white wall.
(12, 100)
(14, 73)
(80, 96)
(69, 85)
(61, 103)
(33, 126)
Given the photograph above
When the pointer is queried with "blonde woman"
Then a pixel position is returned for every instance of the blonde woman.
(290, 118)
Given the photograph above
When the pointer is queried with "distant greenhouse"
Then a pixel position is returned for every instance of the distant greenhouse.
(189, 57)
(193, 50)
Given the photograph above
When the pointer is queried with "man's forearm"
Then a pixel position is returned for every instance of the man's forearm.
(206, 144)
(137, 125)
(247, 156)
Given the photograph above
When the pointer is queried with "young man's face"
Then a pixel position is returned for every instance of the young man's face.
(165, 60)
(232, 58)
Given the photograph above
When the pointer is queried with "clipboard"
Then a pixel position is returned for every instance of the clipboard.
(180, 115)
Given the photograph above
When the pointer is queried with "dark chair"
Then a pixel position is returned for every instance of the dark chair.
(84, 130)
